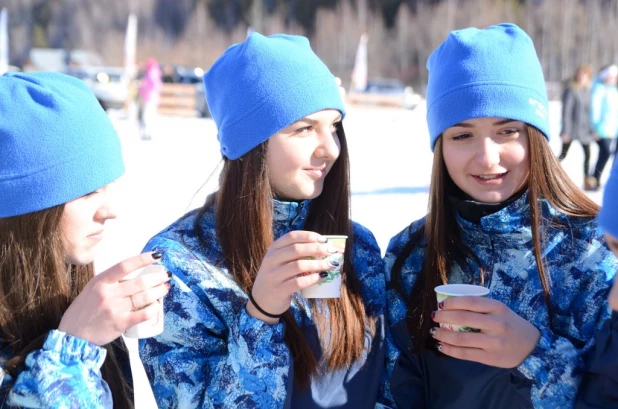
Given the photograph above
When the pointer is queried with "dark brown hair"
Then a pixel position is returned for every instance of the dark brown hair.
(244, 216)
(546, 180)
(37, 287)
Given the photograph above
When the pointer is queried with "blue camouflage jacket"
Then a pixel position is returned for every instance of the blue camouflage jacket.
(65, 373)
(213, 354)
(580, 267)
(599, 388)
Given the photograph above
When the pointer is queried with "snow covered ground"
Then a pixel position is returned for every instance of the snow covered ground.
(173, 173)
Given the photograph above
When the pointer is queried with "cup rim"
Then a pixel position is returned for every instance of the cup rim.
(461, 290)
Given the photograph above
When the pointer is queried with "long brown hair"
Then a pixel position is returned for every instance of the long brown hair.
(441, 234)
(37, 287)
(244, 222)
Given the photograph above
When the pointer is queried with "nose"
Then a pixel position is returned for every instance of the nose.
(329, 146)
(108, 208)
(488, 154)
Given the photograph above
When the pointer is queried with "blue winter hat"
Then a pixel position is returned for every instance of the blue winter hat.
(56, 142)
(264, 84)
(608, 216)
(493, 72)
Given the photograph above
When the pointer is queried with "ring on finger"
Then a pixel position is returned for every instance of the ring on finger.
(133, 303)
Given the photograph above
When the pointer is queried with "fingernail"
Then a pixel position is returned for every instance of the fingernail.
(169, 274)
(334, 263)
(323, 274)
(439, 346)
(322, 239)
(441, 305)
(332, 250)
(433, 315)
(157, 255)
(432, 332)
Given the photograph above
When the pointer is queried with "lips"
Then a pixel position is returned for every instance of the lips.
(490, 177)
(318, 168)
(95, 235)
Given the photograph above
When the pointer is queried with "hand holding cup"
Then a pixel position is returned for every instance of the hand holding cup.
(503, 340)
(108, 306)
(292, 263)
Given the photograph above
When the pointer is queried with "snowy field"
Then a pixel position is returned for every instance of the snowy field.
(173, 173)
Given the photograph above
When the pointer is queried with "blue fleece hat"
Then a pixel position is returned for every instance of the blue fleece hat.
(608, 216)
(493, 72)
(264, 84)
(56, 142)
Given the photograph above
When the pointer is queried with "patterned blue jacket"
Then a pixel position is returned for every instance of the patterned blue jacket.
(213, 354)
(580, 267)
(65, 373)
(599, 389)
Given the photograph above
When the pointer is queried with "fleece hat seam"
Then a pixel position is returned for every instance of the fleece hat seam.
(16, 176)
(480, 83)
(267, 98)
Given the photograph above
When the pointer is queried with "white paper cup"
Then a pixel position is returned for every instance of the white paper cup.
(459, 290)
(329, 287)
(153, 326)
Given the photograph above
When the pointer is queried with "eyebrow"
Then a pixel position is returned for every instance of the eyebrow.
(498, 123)
(314, 122)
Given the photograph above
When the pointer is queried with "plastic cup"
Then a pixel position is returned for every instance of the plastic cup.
(329, 287)
(153, 326)
(459, 290)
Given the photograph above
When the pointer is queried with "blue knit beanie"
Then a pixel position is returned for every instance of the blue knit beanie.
(264, 84)
(608, 216)
(56, 142)
(493, 72)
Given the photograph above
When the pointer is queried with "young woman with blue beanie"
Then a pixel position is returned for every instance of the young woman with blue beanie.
(241, 335)
(60, 326)
(599, 389)
(504, 215)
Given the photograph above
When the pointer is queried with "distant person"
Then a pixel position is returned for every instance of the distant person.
(60, 325)
(168, 75)
(504, 215)
(240, 333)
(604, 117)
(576, 118)
(150, 95)
(599, 388)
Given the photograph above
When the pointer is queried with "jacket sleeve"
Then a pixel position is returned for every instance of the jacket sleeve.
(404, 385)
(212, 354)
(567, 112)
(599, 389)
(557, 364)
(554, 367)
(65, 373)
(369, 267)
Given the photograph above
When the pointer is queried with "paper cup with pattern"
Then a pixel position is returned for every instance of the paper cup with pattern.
(329, 287)
(153, 326)
(459, 290)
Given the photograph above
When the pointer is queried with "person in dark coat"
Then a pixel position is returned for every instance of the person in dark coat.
(576, 118)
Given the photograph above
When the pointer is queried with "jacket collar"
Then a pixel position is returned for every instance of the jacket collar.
(292, 214)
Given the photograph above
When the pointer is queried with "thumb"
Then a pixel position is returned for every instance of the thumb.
(119, 271)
